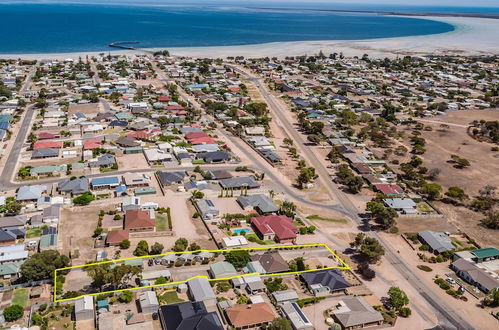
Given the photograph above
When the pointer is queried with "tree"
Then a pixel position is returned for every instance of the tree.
(180, 245)
(275, 284)
(307, 174)
(405, 312)
(238, 259)
(384, 216)
(124, 244)
(41, 266)
(492, 299)
(431, 190)
(314, 138)
(13, 312)
(125, 297)
(142, 249)
(160, 280)
(156, 248)
(456, 192)
(371, 249)
(280, 323)
(194, 247)
(197, 194)
(84, 199)
(491, 220)
(397, 297)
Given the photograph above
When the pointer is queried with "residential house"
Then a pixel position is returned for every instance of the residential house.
(12, 253)
(45, 153)
(389, 189)
(139, 220)
(298, 319)
(222, 269)
(30, 193)
(155, 155)
(481, 278)
(438, 242)
(252, 283)
(73, 187)
(269, 262)
(207, 209)
(284, 296)
(189, 316)
(109, 182)
(134, 180)
(259, 202)
(275, 227)
(355, 313)
(148, 302)
(105, 160)
(239, 182)
(214, 156)
(403, 205)
(250, 316)
(200, 290)
(168, 178)
(324, 282)
(115, 237)
(84, 309)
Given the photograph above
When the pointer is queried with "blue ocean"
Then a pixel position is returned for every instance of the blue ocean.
(63, 27)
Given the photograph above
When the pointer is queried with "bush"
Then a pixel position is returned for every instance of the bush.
(405, 312)
(425, 268)
(424, 247)
(125, 297)
(394, 230)
(125, 244)
(42, 307)
(13, 312)
(117, 217)
(84, 199)
(36, 319)
(303, 230)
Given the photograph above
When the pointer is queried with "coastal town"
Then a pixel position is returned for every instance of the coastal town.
(150, 191)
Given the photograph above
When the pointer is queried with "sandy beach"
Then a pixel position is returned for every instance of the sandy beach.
(472, 36)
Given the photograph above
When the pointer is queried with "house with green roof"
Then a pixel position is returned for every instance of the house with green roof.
(222, 269)
(10, 269)
(124, 116)
(48, 170)
(486, 254)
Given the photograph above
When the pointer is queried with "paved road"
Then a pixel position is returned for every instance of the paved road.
(448, 316)
(11, 162)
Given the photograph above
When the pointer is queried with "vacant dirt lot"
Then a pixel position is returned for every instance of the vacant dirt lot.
(88, 109)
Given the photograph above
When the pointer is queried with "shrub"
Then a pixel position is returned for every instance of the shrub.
(424, 247)
(405, 312)
(13, 312)
(394, 230)
(425, 268)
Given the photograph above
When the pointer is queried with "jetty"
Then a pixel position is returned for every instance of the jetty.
(123, 44)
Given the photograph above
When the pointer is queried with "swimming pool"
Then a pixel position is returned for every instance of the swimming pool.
(240, 230)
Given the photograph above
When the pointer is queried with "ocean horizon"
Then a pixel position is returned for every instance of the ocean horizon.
(76, 27)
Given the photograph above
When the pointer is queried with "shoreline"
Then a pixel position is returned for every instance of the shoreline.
(471, 36)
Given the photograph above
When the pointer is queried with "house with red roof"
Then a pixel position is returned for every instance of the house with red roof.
(174, 108)
(164, 98)
(48, 136)
(195, 135)
(202, 140)
(91, 144)
(115, 237)
(47, 144)
(138, 220)
(139, 135)
(389, 189)
(275, 227)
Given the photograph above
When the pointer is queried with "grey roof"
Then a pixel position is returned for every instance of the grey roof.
(285, 295)
(190, 129)
(45, 152)
(6, 236)
(215, 156)
(27, 193)
(168, 178)
(330, 277)
(53, 211)
(200, 289)
(76, 186)
(438, 241)
(399, 203)
(189, 316)
(262, 202)
(222, 269)
(476, 274)
(127, 141)
(104, 160)
(207, 207)
(17, 221)
(357, 312)
(294, 313)
(238, 182)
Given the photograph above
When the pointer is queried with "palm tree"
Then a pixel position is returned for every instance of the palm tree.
(272, 194)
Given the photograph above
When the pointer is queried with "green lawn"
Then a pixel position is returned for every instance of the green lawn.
(169, 297)
(161, 223)
(318, 217)
(20, 297)
(34, 232)
(256, 239)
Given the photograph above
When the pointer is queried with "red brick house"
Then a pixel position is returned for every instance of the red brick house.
(275, 227)
(115, 237)
(138, 220)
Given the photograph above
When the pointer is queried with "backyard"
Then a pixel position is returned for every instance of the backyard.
(20, 297)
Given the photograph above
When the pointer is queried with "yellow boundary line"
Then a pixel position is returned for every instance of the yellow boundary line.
(345, 266)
